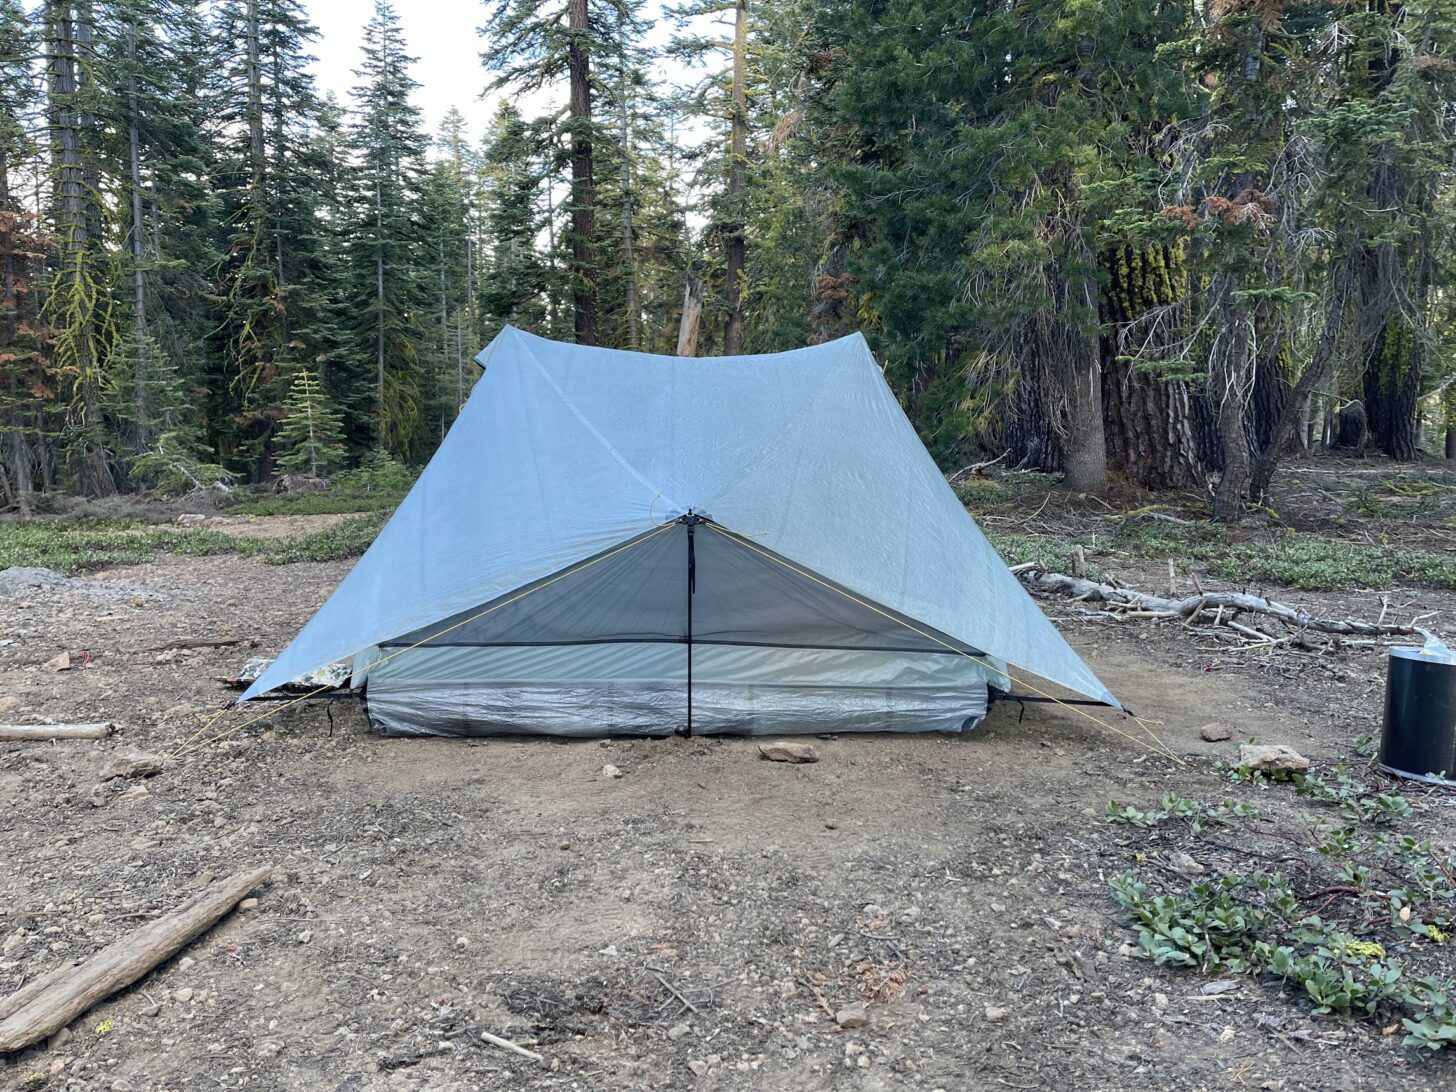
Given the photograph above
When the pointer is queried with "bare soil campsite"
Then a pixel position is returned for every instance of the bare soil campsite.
(908, 911)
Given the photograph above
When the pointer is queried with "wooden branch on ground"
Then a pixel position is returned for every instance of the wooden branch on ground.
(11, 732)
(1127, 602)
(506, 1044)
(976, 468)
(52, 1002)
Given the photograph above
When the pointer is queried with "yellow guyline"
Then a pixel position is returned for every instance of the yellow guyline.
(188, 744)
(1161, 748)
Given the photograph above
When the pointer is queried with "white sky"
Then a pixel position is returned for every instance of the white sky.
(442, 34)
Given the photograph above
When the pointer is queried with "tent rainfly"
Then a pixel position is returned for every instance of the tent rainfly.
(616, 543)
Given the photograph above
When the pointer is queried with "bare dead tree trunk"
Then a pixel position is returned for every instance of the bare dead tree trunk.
(735, 246)
(692, 312)
(583, 273)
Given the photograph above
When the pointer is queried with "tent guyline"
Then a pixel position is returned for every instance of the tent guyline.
(475, 613)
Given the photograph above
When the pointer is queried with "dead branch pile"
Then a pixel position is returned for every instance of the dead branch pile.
(1216, 609)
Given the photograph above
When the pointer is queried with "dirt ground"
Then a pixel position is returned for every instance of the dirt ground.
(693, 924)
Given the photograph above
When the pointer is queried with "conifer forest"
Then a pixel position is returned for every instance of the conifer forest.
(1149, 241)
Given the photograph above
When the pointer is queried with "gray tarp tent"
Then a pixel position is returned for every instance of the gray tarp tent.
(612, 542)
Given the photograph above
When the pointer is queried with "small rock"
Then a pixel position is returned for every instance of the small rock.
(268, 1048)
(132, 764)
(1273, 758)
(853, 1016)
(191, 517)
(995, 1014)
(698, 1066)
(1184, 864)
(60, 1038)
(184, 994)
(1218, 986)
(679, 1031)
(1160, 1000)
(248, 904)
(611, 771)
(139, 792)
(1215, 733)
(564, 845)
(150, 1010)
(788, 752)
(8, 704)
(58, 663)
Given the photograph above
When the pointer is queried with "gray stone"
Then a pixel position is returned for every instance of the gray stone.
(1215, 733)
(788, 752)
(853, 1016)
(679, 1031)
(1183, 863)
(1272, 758)
(133, 764)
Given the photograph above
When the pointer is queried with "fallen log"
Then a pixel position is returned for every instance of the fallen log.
(1141, 605)
(52, 1002)
(100, 730)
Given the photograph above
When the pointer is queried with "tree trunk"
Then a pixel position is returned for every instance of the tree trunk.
(379, 308)
(1392, 390)
(692, 312)
(1230, 382)
(1084, 466)
(141, 411)
(12, 263)
(583, 273)
(629, 242)
(70, 58)
(733, 235)
(1030, 432)
(1295, 409)
(1150, 423)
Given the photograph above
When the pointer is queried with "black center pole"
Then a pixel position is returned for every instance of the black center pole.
(691, 521)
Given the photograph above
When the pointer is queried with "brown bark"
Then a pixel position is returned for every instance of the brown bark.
(735, 246)
(583, 273)
(76, 218)
(1295, 409)
(1230, 381)
(1151, 423)
(46, 1009)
